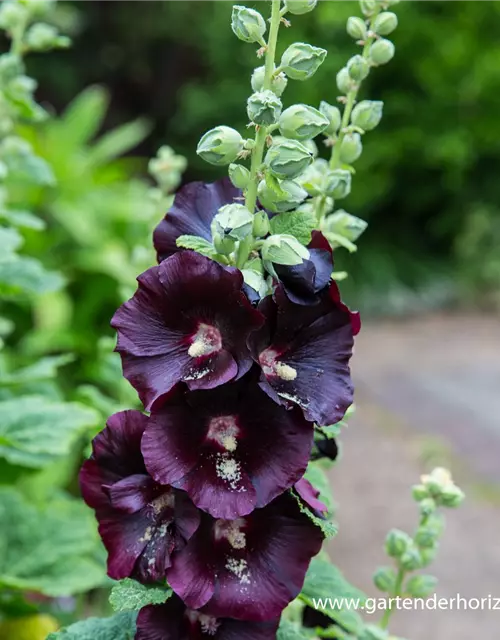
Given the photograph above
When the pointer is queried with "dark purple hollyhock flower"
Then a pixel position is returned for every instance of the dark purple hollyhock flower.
(304, 353)
(231, 448)
(249, 568)
(194, 208)
(173, 621)
(188, 321)
(302, 282)
(141, 522)
(310, 495)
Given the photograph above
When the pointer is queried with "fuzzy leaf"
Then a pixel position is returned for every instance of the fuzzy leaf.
(10, 241)
(35, 431)
(43, 369)
(27, 275)
(327, 527)
(20, 218)
(299, 224)
(119, 627)
(130, 595)
(291, 631)
(200, 245)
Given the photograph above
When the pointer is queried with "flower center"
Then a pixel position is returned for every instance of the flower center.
(208, 624)
(232, 531)
(165, 501)
(272, 367)
(205, 341)
(224, 430)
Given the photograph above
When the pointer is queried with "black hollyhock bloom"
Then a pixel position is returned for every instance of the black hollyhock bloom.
(141, 522)
(188, 321)
(173, 621)
(232, 449)
(304, 353)
(249, 568)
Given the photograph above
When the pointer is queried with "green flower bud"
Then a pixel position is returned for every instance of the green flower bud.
(338, 183)
(344, 81)
(12, 15)
(428, 555)
(421, 586)
(284, 249)
(220, 146)
(167, 168)
(233, 220)
(288, 159)
(428, 534)
(384, 579)
(356, 28)
(11, 66)
(311, 146)
(292, 194)
(358, 68)
(367, 114)
(385, 23)
(301, 61)
(368, 7)
(302, 122)
(343, 225)
(382, 51)
(351, 148)
(411, 559)
(260, 224)
(334, 117)
(397, 542)
(313, 178)
(420, 492)
(247, 24)
(239, 175)
(427, 506)
(223, 244)
(264, 108)
(299, 7)
(278, 83)
(452, 497)
(42, 37)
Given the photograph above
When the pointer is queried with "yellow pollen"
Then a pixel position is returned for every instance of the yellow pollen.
(199, 348)
(229, 442)
(285, 371)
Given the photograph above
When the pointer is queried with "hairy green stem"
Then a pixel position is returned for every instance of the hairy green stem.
(384, 623)
(350, 102)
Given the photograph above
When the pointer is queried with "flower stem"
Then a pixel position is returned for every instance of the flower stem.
(261, 132)
(350, 101)
(384, 623)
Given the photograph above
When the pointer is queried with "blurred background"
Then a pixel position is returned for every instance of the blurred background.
(426, 275)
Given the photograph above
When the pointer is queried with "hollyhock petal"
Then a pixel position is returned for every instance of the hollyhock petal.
(254, 565)
(231, 449)
(188, 321)
(141, 522)
(173, 621)
(195, 205)
(310, 495)
(304, 352)
(301, 282)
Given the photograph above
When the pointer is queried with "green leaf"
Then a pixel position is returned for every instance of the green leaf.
(328, 529)
(274, 184)
(129, 595)
(51, 550)
(20, 218)
(337, 240)
(332, 430)
(299, 224)
(119, 141)
(35, 431)
(43, 369)
(10, 241)
(119, 627)
(318, 478)
(200, 245)
(324, 581)
(27, 275)
(28, 166)
(84, 116)
(290, 631)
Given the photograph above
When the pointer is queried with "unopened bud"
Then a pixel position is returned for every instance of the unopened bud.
(384, 579)
(301, 61)
(452, 496)
(367, 114)
(344, 81)
(411, 559)
(223, 244)
(278, 82)
(313, 178)
(247, 24)
(344, 224)
(302, 122)
(334, 117)
(427, 556)
(299, 7)
(338, 183)
(356, 28)
(385, 23)
(397, 542)
(427, 506)
(290, 196)
(42, 37)
(220, 146)
(11, 66)
(239, 175)
(420, 492)
(358, 68)
(264, 108)
(233, 220)
(382, 51)
(260, 224)
(368, 7)
(421, 586)
(12, 15)
(428, 534)
(351, 148)
(284, 249)
(288, 159)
